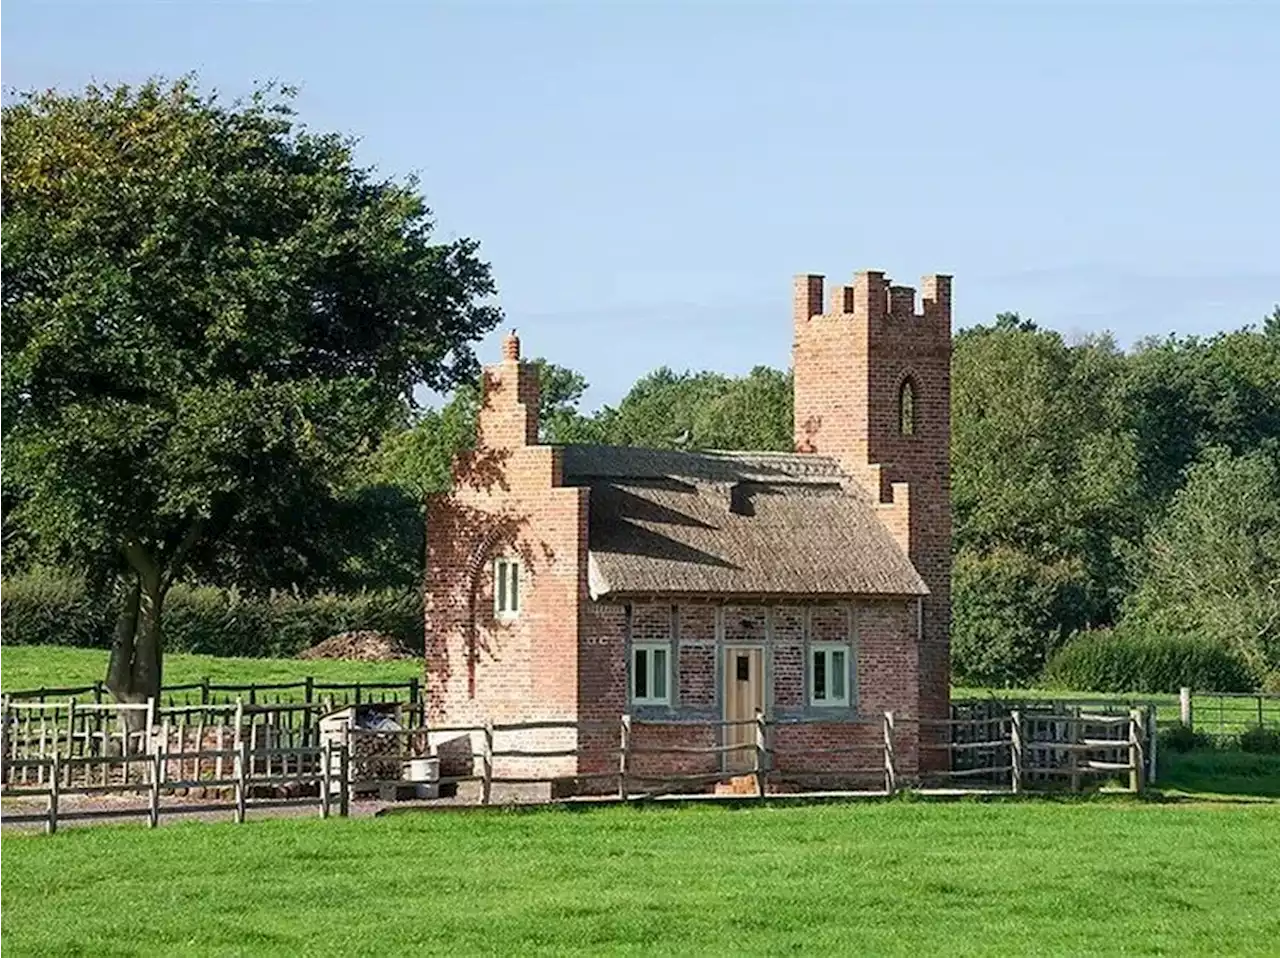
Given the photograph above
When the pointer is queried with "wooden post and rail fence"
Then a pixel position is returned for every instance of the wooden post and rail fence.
(1016, 753)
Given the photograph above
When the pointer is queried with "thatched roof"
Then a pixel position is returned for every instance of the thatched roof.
(761, 524)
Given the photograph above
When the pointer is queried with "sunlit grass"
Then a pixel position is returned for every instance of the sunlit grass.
(36, 666)
(897, 878)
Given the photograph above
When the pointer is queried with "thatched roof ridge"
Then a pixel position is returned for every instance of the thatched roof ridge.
(675, 522)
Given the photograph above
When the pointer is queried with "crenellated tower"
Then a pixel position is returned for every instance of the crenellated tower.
(873, 390)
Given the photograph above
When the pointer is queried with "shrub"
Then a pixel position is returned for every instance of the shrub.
(1106, 661)
(1007, 613)
(1261, 740)
(1180, 738)
(48, 609)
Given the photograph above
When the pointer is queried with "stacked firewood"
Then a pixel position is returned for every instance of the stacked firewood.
(374, 756)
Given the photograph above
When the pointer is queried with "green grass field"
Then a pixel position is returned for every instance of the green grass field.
(896, 878)
(1219, 773)
(967, 692)
(34, 666)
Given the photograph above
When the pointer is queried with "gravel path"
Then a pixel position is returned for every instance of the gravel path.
(117, 809)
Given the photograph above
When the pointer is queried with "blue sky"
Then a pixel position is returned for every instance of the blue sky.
(646, 177)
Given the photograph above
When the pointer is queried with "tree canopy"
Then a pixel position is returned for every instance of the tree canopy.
(210, 315)
(215, 321)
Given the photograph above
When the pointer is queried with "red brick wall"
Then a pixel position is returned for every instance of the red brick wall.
(886, 665)
(602, 690)
(789, 693)
(506, 501)
(850, 361)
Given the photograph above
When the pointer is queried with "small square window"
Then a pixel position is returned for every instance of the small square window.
(506, 588)
(650, 673)
(829, 674)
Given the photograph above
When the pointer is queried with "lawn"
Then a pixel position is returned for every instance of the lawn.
(1219, 772)
(1164, 700)
(33, 666)
(896, 878)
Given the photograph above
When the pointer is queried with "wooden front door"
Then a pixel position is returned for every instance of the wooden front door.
(743, 696)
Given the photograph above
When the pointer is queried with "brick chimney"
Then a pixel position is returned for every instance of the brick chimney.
(509, 404)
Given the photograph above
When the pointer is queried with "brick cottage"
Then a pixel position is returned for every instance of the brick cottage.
(582, 583)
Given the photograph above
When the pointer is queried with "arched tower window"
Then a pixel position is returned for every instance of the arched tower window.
(907, 408)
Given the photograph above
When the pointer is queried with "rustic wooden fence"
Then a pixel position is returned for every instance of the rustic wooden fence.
(1009, 755)
(206, 691)
(150, 774)
(1060, 741)
(1013, 754)
(35, 729)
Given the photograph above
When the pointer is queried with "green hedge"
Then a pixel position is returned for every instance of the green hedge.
(52, 610)
(1104, 661)
(1260, 739)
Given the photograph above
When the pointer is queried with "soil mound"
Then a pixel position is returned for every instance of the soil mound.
(359, 647)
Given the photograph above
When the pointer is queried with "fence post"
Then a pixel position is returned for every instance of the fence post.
(624, 757)
(1154, 729)
(1184, 706)
(71, 737)
(146, 743)
(1259, 710)
(486, 757)
(344, 773)
(242, 776)
(1074, 756)
(51, 825)
(326, 770)
(157, 772)
(4, 745)
(238, 731)
(1135, 751)
(1015, 750)
(762, 754)
(97, 692)
(890, 766)
(163, 746)
(414, 690)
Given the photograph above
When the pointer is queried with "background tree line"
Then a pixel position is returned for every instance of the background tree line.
(214, 321)
(1133, 492)
(1095, 490)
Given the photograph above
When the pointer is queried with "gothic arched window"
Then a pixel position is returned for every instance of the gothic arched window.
(907, 408)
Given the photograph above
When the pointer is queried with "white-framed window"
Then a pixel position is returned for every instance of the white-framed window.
(650, 673)
(829, 673)
(506, 588)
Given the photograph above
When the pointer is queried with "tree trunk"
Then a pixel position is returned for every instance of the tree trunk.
(135, 667)
(148, 647)
(120, 666)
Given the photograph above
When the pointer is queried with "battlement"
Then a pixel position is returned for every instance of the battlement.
(873, 298)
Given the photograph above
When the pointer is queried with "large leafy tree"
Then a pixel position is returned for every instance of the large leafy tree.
(1184, 396)
(211, 315)
(1211, 565)
(704, 410)
(1044, 494)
